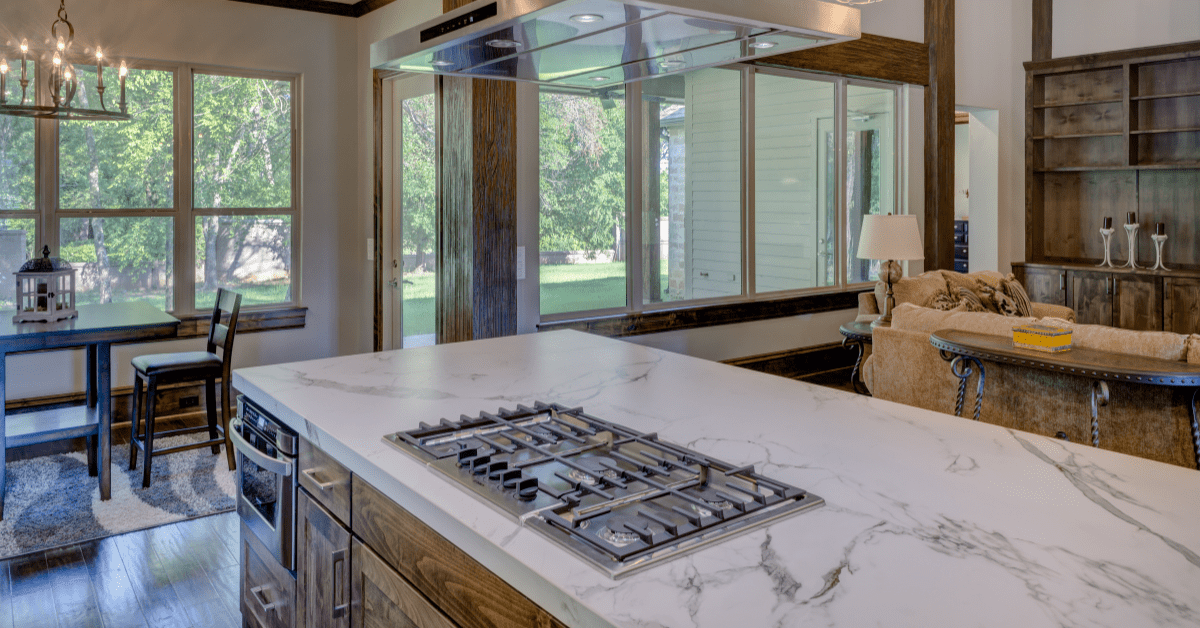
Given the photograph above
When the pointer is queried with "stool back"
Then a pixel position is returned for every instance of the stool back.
(220, 334)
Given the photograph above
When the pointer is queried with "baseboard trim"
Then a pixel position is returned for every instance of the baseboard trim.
(800, 362)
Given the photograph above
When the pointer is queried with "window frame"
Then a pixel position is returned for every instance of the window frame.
(47, 211)
(643, 317)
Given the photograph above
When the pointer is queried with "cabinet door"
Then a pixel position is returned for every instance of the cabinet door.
(323, 567)
(382, 598)
(1138, 303)
(1046, 285)
(1181, 305)
(1091, 297)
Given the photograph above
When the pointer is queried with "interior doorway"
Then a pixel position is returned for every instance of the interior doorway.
(977, 183)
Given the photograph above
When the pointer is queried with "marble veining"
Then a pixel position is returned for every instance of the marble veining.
(929, 520)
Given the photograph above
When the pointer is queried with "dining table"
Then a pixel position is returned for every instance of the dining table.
(96, 328)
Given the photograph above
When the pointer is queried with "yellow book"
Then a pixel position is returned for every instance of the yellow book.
(1040, 337)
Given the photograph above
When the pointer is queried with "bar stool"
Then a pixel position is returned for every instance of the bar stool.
(188, 366)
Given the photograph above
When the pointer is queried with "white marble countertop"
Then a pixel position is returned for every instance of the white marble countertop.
(930, 520)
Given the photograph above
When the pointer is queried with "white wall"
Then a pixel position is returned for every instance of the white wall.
(1088, 26)
(962, 172)
(218, 32)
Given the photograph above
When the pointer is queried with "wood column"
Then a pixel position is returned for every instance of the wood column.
(477, 207)
(939, 136)
(1043, 30)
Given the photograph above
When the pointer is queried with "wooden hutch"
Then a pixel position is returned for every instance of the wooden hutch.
(1107, 134)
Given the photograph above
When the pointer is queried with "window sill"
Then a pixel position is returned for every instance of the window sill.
(638, 323)
(249, 321)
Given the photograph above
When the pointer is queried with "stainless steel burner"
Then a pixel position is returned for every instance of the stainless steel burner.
(620, 499)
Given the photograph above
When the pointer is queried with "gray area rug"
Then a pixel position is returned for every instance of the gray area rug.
(52, 501)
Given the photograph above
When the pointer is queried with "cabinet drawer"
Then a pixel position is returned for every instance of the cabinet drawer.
(961, 251)
(268, 591)
(381, 597)
(326, 480)
(465, 590)
(960, 238)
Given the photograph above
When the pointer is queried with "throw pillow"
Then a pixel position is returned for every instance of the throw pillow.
(1016, 292)
(972, 300)
(996, 301)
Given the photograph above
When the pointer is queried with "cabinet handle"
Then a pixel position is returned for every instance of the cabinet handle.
(324, 486)
(339, 610)
(261, 598)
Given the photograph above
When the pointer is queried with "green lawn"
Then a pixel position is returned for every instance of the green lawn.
(564, 287)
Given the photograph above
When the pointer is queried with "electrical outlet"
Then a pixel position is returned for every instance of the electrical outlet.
(189, 402)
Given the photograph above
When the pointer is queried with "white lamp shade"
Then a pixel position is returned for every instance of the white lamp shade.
(891, 237)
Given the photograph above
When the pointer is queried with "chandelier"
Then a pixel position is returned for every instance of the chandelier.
(62, 84)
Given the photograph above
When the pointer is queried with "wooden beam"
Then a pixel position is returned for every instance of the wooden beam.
(1043, 29)
(476, 208)
(872, 56)
(939, 136)
(377, 77)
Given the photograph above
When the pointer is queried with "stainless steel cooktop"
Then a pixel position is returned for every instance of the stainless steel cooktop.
(620, 499)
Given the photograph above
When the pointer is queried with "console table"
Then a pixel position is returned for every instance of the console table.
(964, 349)
(97, 328)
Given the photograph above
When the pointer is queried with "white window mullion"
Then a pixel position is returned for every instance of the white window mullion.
(185, 227)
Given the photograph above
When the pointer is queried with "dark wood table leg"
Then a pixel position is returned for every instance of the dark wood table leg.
(855, 375)
(104, 414)
(4, 434)
(92, 441)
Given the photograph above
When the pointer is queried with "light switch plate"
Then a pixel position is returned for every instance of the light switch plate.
(520, 263)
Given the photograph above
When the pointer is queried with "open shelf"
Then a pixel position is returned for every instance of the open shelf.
(1078, 104)
(1157, 96)
(1149, 131)
(1067, 136)
(44, 426)
(1180, 166)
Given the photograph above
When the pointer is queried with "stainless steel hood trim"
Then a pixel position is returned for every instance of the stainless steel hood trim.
(831, 22)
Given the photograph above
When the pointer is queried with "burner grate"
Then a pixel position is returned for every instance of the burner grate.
(621, 499)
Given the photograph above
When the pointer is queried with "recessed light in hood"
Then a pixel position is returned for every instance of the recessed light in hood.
(602, 43)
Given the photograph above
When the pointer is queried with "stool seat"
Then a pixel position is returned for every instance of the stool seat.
(158, 363)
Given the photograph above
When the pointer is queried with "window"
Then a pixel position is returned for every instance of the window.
(748, 183)
(192, 194)
(583, 201)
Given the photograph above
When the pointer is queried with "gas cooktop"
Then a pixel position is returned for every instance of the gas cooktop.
(620, 499)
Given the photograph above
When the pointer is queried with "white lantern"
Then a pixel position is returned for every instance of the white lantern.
(45, 290)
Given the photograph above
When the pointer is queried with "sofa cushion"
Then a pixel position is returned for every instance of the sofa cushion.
(912, 318)
(1016, 292)
(1163, 345)
(919, 290)
(1193, 349)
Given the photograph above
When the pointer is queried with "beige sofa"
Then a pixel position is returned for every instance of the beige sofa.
(922, 289)
(1147, 421)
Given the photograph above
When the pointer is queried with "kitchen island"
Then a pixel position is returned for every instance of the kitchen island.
(929, 520)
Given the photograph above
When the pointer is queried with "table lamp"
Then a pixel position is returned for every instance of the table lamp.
(890, 238)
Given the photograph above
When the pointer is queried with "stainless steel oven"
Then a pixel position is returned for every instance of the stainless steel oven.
(266, 479)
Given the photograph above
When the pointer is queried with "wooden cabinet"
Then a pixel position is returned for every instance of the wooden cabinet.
(1044, 285)
(1107, 134)
(325, 479)
(322, 567)
(1137, 302)
(268, 591)
(1181, 305)
(1091, 297)
(382, 598)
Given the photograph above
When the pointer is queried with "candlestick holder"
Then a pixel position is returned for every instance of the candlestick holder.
(1159, 240)
(1131, 231)
(1106, 235)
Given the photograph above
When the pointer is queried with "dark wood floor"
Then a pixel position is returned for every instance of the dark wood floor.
(179, 575)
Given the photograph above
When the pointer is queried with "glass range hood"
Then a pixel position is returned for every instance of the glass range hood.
(602, 43)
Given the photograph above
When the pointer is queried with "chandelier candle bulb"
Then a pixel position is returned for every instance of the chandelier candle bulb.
(99, 71)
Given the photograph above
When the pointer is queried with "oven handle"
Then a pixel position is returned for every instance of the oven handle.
(272, 465)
